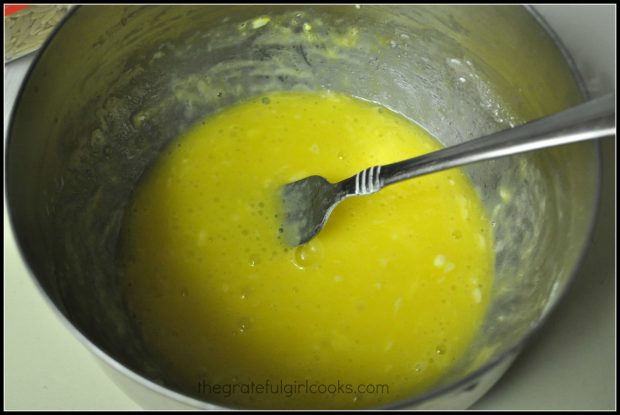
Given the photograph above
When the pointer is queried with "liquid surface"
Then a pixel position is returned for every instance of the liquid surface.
(377, 308)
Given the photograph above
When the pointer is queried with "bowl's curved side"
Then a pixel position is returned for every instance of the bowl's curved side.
(70, 173)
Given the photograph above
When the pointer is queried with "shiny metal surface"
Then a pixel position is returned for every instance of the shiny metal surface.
(309, 202)
(106, 113)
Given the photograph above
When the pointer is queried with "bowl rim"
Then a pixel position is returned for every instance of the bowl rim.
(535, 328)
(401, 404)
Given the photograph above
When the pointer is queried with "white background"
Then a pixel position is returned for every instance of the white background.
(569, 365)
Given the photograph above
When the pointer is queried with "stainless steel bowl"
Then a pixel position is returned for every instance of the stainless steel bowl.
(116, 83)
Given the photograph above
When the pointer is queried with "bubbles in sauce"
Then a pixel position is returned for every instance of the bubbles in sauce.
(391, 292)
(308, 255)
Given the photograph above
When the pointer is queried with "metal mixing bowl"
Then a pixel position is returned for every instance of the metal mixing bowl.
(115, 84)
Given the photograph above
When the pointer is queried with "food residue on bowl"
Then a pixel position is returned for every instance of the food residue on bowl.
(382, 303)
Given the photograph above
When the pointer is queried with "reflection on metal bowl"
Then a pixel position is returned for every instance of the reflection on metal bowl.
(115, 84)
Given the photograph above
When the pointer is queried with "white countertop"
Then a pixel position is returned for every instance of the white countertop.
(569, 365)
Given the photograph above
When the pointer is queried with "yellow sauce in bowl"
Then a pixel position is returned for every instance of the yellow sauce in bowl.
(377, 308)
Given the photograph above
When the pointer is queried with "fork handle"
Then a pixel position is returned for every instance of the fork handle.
(591, 120)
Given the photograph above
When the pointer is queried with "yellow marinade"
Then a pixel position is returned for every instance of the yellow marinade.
(377, 308)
